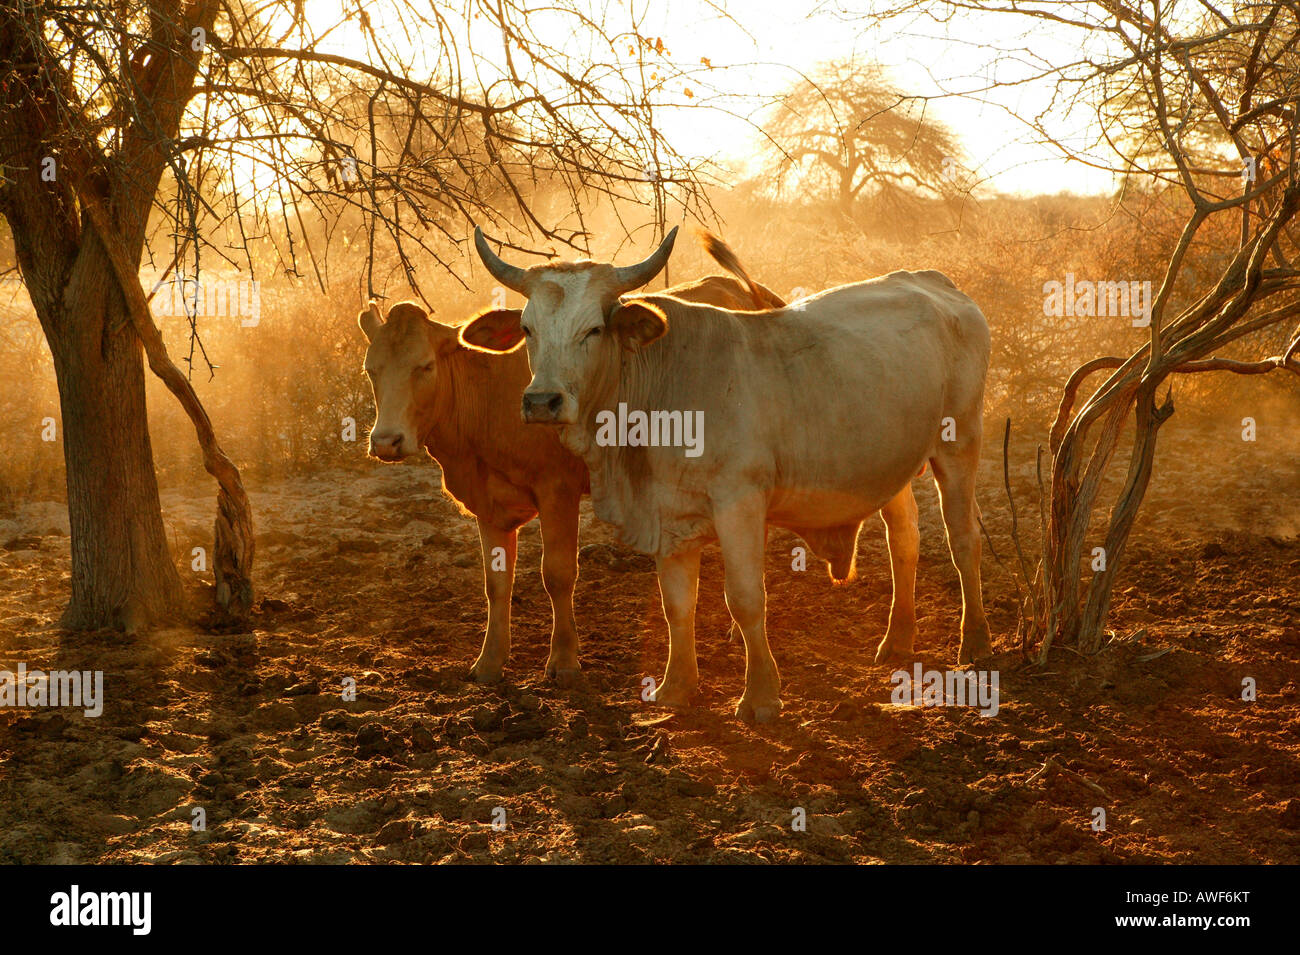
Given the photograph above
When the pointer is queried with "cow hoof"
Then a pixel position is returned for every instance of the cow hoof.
(758, 712)
(972, 652)
(889, 650)
(564, 677)
(670, 695)
(482, 672)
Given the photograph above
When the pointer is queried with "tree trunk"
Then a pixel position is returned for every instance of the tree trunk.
(844, 196)
(1149, 418)
(122, 572)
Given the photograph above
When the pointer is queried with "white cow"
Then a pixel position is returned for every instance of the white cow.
(812, 418)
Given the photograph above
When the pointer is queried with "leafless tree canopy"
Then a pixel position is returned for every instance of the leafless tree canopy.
(438, 115)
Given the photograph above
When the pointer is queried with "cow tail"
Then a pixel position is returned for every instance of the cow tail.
(722, 254)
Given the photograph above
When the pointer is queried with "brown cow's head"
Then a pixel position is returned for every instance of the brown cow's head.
(403, 363)
(572, 323)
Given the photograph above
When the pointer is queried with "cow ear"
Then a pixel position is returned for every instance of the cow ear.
(638, 323)
(370, 320)
(494, 330)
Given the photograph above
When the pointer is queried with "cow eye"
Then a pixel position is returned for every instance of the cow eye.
(592, 333)
(528, 332)
(428, 366)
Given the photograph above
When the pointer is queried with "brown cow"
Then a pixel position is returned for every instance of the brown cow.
(463, 407)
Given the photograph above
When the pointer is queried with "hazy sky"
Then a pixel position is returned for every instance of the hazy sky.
(758, 48)
(786, 37)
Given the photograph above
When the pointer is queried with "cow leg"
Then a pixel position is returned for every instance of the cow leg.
(679, 585)
(741, 530)
(733, 632)
(498, 584)
(904, 538)
(954, 474)
(559, 574)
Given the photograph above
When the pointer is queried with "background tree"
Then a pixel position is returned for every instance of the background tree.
(845, 132)
(162, 129)
(1198, 100)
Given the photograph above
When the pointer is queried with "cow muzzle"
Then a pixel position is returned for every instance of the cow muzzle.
(542, 407)
(387, 445)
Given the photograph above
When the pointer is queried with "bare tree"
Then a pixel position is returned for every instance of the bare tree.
(144, 128)
(1199, 99)
(847, 131)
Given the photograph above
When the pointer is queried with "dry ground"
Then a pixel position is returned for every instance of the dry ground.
(373, 575)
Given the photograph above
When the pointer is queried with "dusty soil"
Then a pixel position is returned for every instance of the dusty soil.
(372, 575)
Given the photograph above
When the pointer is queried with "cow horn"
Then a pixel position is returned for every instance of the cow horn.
(629, 277)
(374, 310)
(511, 276)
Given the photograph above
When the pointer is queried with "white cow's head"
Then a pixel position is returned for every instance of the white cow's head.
(573, 324)
(405, 365)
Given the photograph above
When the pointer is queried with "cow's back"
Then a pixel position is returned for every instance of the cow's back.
(885, 355)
